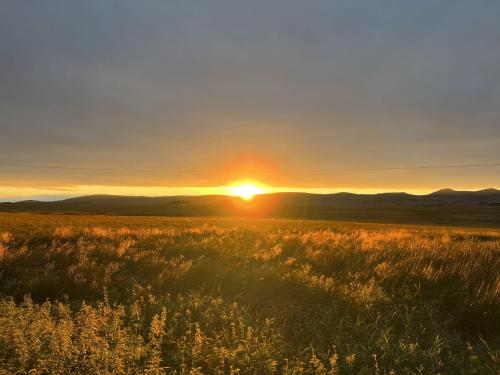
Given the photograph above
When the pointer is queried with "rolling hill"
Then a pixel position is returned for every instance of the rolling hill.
(445, 206)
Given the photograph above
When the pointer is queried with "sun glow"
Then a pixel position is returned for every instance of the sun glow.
(246, 190)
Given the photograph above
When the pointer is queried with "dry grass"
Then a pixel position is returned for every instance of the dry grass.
(101, 294)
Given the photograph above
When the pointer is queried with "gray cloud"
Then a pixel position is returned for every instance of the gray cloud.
(193, 83)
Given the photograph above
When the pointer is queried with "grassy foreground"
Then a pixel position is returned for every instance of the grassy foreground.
(145, 295)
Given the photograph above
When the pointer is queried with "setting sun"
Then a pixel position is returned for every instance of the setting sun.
(245, 190)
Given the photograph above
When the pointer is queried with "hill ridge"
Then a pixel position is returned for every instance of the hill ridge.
(446, 206)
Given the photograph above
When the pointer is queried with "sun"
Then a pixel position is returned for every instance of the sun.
(246, 190)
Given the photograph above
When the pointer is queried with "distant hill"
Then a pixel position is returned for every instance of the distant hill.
(445, 206)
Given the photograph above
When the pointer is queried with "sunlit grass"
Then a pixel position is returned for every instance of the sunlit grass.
(189, 296)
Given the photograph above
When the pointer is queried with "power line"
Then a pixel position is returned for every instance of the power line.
(198, 170)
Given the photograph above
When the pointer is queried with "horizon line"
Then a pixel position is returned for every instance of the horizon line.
(46, 194)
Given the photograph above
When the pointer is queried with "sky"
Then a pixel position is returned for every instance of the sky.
(182, 97)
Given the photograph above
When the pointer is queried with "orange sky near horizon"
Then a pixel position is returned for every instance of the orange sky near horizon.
(8, 193)
(56, 182)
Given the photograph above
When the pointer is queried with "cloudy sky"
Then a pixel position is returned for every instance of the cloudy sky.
(155, 94)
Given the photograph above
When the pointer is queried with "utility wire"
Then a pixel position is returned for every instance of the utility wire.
(182, 170)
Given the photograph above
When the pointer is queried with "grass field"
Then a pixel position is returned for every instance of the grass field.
(137, 295)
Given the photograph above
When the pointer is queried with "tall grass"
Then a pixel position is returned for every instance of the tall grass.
(95, 294)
